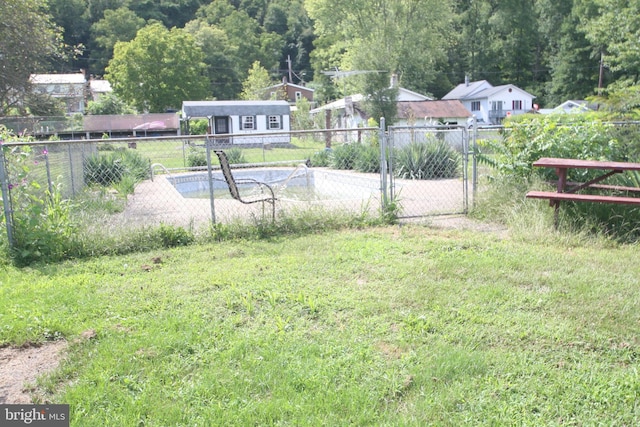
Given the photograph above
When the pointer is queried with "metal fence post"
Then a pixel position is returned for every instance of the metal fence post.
(383, 163)
(6, 204)
(208, 143)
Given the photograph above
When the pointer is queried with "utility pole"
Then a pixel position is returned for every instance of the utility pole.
(289, 66)
(601, 73)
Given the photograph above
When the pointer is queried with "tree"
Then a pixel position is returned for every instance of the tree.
(158, 69)
(119, 25)
(257, 81)
(246, 35)
(219, 54)
(616, 27)
(404, 36)
(28, 39)
(70, 15)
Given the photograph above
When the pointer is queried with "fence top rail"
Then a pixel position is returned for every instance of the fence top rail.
(190, 137)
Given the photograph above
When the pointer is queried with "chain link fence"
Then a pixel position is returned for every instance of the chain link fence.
(112, 186)
(429, 169)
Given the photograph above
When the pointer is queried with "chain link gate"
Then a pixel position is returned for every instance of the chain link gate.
(428, 169)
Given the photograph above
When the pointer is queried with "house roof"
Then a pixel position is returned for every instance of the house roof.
(339, 104)
(47, 79)
(497, 89)
(409, 95)
(479, 90)
(432, 109)
(100, 86)
(234, 108)
(464, 90)
(291, 85)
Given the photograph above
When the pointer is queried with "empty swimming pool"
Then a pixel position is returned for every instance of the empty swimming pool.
(289, 183)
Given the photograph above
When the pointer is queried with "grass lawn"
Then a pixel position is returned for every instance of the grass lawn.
(402, 325)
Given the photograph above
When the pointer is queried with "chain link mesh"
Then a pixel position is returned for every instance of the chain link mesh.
(114, 185)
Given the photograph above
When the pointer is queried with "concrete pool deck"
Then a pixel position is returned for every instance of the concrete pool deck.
(158, 201)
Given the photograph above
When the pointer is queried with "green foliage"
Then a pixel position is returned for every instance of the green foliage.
(198, 126)
(344, 156)
(27, 41)
(235, 156)
(173, 236)
(111, 167)
(158, 69)
(43, 227)
(116, 25)
(253, 88)
(109, 103)
(42, 104)
(321, 158)
(431, 160)
(528, 138)
(196, 156)
(367, 159)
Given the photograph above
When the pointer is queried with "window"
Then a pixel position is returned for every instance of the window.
(496, 105)
(516, 105)
(274, 122)
(475, 105)
(248, 122)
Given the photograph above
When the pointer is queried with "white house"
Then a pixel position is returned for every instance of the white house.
(246, 122)
(572, 107)
(70, 88)
(491, 104)
(99, 88)
(347, 113)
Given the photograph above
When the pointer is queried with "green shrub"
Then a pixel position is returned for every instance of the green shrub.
(344, 156)
(235, 156)
(103, 169)
(198, 126)
(367, 159)
(321, 158)
(171, 236)
(43, 227)
(196, 157)
(108, 168)
(431, 160)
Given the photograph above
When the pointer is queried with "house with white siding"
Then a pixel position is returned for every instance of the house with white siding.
(243, 122)
(491, 104)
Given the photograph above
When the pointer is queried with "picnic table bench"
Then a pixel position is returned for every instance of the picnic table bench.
(568, 191)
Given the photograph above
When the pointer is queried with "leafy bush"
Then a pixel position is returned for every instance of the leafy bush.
(431, 160)
(235, 156)
(198, 126)
(344, 156)
(43, 227)
(172, 236)
(321, 158)
(367, 159)
(196, 157)
(528, 138)
(108, 168)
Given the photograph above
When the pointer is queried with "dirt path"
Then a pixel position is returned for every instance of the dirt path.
(19, 368)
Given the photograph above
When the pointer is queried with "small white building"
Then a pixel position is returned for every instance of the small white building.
(491, 104)
(347, 113)
(245, 122)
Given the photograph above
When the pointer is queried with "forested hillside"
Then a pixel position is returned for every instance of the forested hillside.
(555, 49)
